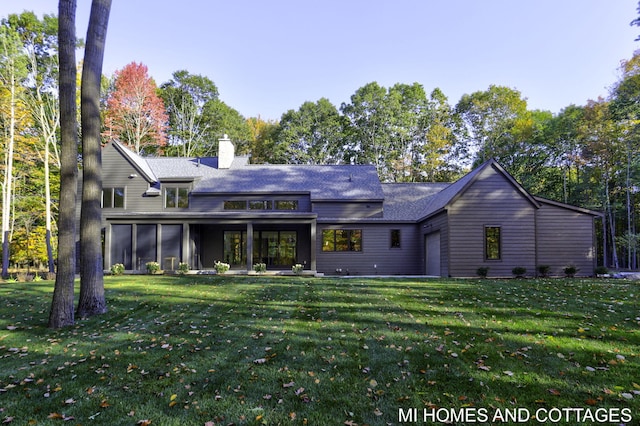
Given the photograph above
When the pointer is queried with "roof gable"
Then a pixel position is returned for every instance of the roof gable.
(137, 161)
(457, 189)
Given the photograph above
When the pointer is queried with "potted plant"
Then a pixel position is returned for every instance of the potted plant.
(153, 267)
(221, 267)
(297, 269)
(260, 268)
(117, 269)
(183, 268)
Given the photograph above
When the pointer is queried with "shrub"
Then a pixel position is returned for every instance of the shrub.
(183, 268)
(543, 270)
(482, 271)
(221, 267)
(570, 271)
(24, 277)
(260, 268)
(601, 270)
(37, 278)
(153, 267)
(297, 269)
(117, 269)
(519, 271)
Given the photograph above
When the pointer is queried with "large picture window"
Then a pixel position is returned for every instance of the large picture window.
(492, 243)
(342, 240)
(113, 198)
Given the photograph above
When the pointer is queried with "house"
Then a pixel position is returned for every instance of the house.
(332, 219)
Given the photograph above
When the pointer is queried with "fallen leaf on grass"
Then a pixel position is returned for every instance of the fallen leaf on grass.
(555, 392)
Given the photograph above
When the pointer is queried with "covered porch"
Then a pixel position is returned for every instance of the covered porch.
(277, 242)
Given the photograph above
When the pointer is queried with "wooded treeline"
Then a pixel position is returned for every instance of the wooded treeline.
(586, 155)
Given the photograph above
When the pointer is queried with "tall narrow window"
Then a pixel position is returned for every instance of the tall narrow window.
(395, 238)
(492, 243)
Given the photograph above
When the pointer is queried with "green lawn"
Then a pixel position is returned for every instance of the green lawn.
(219, 350)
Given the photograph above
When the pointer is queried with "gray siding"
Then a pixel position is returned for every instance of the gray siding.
(120, 173)
(491, 201)
(437, 223)
(348, 209)
(376, 250)
(565, 237)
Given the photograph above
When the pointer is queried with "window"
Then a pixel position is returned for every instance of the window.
(176, 197)
(260, 205)
(113, 198)
(395, 238)
(342, 240)
(287, 205)
(492, 243)
(235, 205)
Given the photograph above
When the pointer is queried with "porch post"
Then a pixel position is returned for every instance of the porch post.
(134, 246)
(185, 244)
(249, 247)
(313, 245)
(159, 244)
(107, 246)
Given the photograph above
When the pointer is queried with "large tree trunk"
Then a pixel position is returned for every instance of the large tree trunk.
(92, 300)
(62, 313)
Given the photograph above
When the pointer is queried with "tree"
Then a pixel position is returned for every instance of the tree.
(367, 132)
(434, 158)
(636, 21)
(222, 119)
(135, 114)
(185, 97)
(61, 313)
(499, 126)
(39, 38)
(92, 300)
(262, 139)
(625, 108)
(12, 112)
(604, 152)
(310, 135)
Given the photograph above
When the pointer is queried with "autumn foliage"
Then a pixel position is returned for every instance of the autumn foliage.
(135, 114)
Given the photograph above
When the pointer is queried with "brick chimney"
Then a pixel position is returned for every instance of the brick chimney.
(226, 152)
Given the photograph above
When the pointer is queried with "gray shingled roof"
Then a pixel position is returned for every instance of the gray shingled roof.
(322, 182)
(409, 201)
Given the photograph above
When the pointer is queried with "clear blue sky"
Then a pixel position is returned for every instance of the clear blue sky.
(267, 57)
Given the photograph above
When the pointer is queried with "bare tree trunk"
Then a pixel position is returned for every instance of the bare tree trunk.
(7, 197)
(92, 300)
(62, 312)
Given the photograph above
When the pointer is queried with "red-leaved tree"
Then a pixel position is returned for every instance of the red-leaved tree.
(135, 114)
